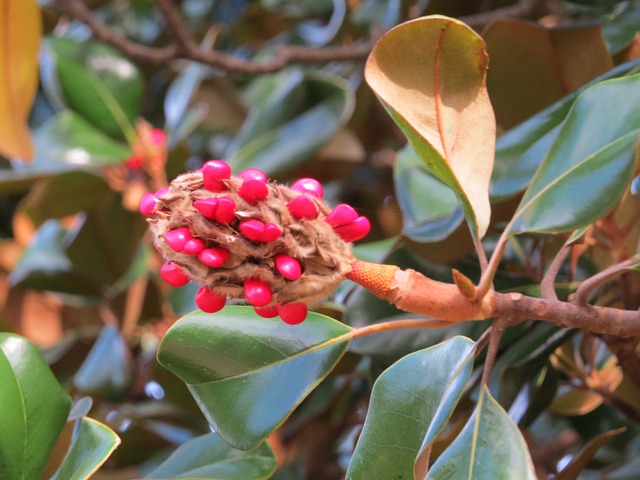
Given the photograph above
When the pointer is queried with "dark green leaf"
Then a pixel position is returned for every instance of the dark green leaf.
(584, 456)
(414, 396)
(34, 409)
(430, 209)
(293, 122)
(590, 164)
(490, 446)
(248, 373)
(520, 150)
(91, 446)
(208, 457)
(99, 83)
(621, 26)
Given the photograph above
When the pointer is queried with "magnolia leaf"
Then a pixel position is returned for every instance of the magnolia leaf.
(584, 456)
(590, 164)
(21, 27)
(489, 446)
(248, 373)
(429, 74)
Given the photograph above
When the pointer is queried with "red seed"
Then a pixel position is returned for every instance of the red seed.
(178, 238)
(134, 162)
(157, 137)
(193, 247)
(148, 204)
(253, 174)
(267, 312)
(207, 207)
(213, 174)
(355, 230)
(214, 257)
(288, 267)
(292, 313)
(271, 233)
(226, 211)
(209, 301)
(257, 292)
(253, 190)
(173, 275)
(341, 215)
(252, 229)
(160, 192)
(310, 186)
(302, 207)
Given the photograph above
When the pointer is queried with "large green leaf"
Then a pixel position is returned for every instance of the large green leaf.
(430, 209)
(415, 395)
(91, 446)
(489, 446)
(429, 73)
(34, 409)
(520, 150)
(248, 373)
(208, 457)
(295, 120)
(99, 83)
(590, 164)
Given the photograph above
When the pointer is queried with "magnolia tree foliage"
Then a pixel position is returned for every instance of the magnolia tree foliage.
(320, 240)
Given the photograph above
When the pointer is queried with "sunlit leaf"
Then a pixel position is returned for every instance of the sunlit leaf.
(590, 164)
(489, 446)
(91, 446)
(20, 24)
(429, 73)
(414, 396)
(208, 457)
(34, 409)
(248, 373)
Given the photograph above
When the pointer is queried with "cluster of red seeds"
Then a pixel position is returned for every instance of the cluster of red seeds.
(208, 215)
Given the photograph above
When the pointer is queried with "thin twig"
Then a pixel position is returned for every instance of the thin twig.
(583, 292)
(547, 285)
(495, 335)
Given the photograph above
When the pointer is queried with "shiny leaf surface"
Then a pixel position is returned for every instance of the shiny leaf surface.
(34, 409)
(20, 24)
(589, 165)
(248, 373)
(584, 456)
(298, 116)
(208, 457)
(489, 446)
(91, 446)
(520, 151)
(414, 396)
(429, 73)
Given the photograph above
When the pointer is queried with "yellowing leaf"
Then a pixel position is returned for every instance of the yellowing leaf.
(429, 73)
(20, 31)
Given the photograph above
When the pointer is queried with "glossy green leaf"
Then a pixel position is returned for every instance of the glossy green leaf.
(208, 457)
(490, 446)
(589, 165)
(414, 396)
(533, 66)
(99, 83)
(584, 456)
(248, 373)
(520, 151)
(621, 26)
(34, 409)
(107, 368)
(91, 446)
(429, 73)
(430, 209)
(296, 119)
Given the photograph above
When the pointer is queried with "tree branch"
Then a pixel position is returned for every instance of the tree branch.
(547, 287)
(583, 292)
(413, 292)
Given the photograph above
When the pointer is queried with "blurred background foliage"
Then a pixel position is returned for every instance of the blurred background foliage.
(80, 278)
